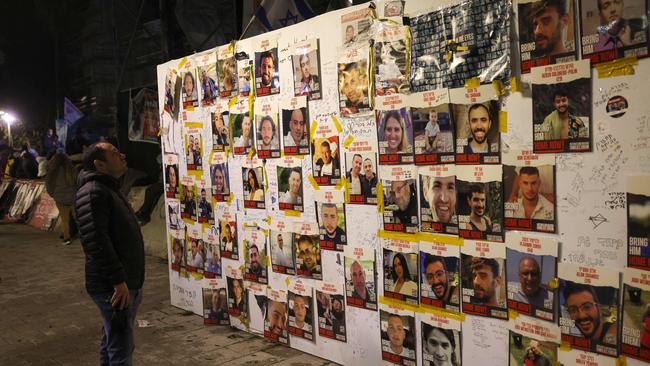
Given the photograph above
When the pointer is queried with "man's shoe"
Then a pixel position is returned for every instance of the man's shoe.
(66, 242)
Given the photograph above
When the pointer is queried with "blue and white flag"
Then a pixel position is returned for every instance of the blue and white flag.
(276, 14)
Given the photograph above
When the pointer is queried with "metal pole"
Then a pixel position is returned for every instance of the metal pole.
(11, 143)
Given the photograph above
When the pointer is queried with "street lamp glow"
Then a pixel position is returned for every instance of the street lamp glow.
(9, 118)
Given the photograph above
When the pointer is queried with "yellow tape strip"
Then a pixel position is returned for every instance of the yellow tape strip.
(565, 346)
(287, 280)
(231, 46)
(337, 124)
(231, 196)
(311, 180)
(346, 193)
(472, 83)
(499, 87)
(620, 67)
(251, 152)
(399, 304)
(445, 239)
(621, 361)
(197, 276)
(380, 197)
(512, 314)
(514, 84)
(232, 102)
(340, 184)
(312, 129)
(348, 141)
(292, 213)
(554, 283)
(193, 124)
(183, 61)
(503, 121)
(443, 312)
(398, 236)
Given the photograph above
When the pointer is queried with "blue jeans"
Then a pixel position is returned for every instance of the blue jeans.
(117, 344)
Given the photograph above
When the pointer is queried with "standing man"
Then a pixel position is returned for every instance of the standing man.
(560, 124)
(480, 121)
(114, 249)
(550, 21)
(530, 204)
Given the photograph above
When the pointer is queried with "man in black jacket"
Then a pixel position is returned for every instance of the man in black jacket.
(114, 249)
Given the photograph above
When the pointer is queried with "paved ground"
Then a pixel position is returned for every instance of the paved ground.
(46, 318)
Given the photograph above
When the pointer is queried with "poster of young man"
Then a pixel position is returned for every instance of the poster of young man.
(204, 204)
(212, 260)
(562, 107)
(330, 307)
(244, 65)
(189, 88)
(533, 342)
(267, 128)
(306, 246)
(398, 335)
(295, 126)
(174, 214)
(360, 281)
(227, 232)
(394, 130)
(301, 310)
(172, 94)
(635, 339)
(589, 300)
(215, 302)
(219, 177)
(290, 184)
(331, 225)
(171, 176)
(440, 275)
(194, 250)
(475, 112)
(355, 26)
(194, 149)
(612, 29)
(438, 199)
(638, 222)
(361, 159)
(253, 187)
(547, 33)
(177, 249)
(326, 153)
(237, 298)
(220, 123)
(255, 269)
(531, 267)
(390, 58)
(529, 183)
(276, 319)
(267, 77)
(354, 78)
(482, 273)
(206, 70)
(226, 71)
(480, 202)
(188, 199)
(576, 357)
(400, 198)
(433, 128)
(441, 343)
(305, 58)
(401, 270)
(241, 127)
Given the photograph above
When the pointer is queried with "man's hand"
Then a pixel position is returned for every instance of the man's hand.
(120, 298)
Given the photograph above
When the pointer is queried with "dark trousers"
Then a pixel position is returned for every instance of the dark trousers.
(117, 344)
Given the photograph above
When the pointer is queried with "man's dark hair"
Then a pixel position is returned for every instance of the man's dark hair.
(355, 155)
(328, 205)
(430, 258)
(326, 143)
(559, 92)
(94, 152)
(475, 188)
(305, 239)
(572, 288)
(478, 262)
(477, 106)
(559, 5)
(448, 333)
(253, 246)
(529, 170)
(267, 54)
(267, 118)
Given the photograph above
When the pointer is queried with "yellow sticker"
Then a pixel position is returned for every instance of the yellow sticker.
(398, 236)
(380, 197)
(472, 83)
(554, 283)
(241, 268)
(251, 152)
(348, 141)
(231, 47)
(621, 361)
(565, 346)
(231, 196)
(292, 213)
(337, 124)
(266, 232)
(503, 121)
(437, 238)
(514, 84)
(340, 184)
(268, 261)
(499, 87)
(311, 180)
(398, 304)
(183, 61)
(442, 312)
(448, 56)
(287, 281)
(312, 129)
(232, 102)
(268, 220)
(346, 193)
(620, 67)
(512, 314)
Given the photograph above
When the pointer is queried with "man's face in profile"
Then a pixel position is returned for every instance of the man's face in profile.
(529, 186)
(277, 317)
(584, 311)
(266, 131)
(304, 67)
(477, 203)
(396, 331)
(352, 87)
(484, 284)
(610, 11)
(297, 125)
(444, 198)
(548, 28)
(267, 68)
(326, 153)
(437, 278)
(330, 219)
(479, 123)
(402, 193)
(307, 253)
(255, 259)
(358, 277)
(561, 103)
(529, 276)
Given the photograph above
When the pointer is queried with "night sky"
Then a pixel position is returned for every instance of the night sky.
(27, 87)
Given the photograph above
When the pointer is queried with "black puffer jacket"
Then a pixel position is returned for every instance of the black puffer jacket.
(110, 234)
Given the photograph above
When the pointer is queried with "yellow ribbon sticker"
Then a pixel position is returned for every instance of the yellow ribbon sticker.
(183, 61)
(232, 102)
(337, 124)
(472, 83)
(398, 304)
(565, 346)
(512, 314)
(348, 141)
(380, 197)
(621, 361)
(442, 312)
(312, 129)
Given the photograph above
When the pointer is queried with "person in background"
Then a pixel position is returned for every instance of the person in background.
(60, 183)
(25, 166)
(50, 142)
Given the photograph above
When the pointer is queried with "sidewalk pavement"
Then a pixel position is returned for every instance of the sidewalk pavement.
(48, 319)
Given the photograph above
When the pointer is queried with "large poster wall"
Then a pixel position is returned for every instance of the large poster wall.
(419, 183)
